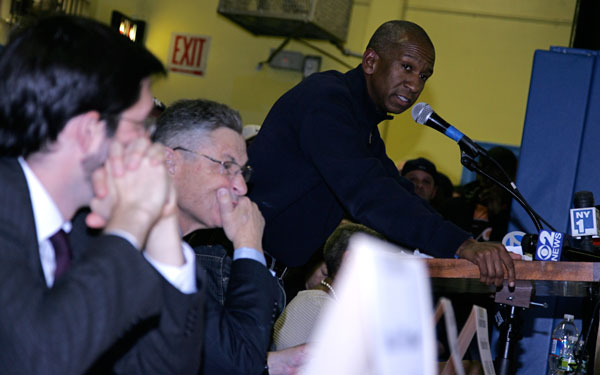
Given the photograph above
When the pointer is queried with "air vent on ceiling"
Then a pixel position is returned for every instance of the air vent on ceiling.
(311, 19)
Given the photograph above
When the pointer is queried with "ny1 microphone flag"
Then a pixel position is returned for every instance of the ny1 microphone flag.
(584, 222)
(549, 246)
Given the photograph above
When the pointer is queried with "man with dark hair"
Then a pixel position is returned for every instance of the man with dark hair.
(206, 157)
(91, 71)
(423, 175)
(319, 157)
(75, 93)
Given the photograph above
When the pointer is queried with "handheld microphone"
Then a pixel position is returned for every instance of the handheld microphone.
(549, 245)
(584, 219)
(529, 243)
(423, 114)
(556, 246)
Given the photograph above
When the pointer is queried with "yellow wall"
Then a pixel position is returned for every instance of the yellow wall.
(4, 20)
(231, 75)
(481, 81)
(484, 54)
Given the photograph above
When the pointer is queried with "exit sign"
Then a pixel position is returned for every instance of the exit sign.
(188, 53)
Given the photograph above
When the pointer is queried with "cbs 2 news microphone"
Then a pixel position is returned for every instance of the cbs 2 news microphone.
(549, 245)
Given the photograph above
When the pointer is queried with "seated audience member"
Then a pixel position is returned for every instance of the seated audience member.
(72, 303)
(296, 323)
(430, 184)
(318, 274)
(482, 207)
(423, 175)
(444, 191)
(306, 276)
(206, 157)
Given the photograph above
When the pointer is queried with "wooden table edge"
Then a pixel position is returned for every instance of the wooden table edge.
(525, 270)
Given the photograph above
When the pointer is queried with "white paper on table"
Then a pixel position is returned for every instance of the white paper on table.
(518, 250)
(382, 320)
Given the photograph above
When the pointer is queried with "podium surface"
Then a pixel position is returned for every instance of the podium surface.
(563, 279)
(560, 279)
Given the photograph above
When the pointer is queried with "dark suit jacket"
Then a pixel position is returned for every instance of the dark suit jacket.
(110, 292)
(241, 308)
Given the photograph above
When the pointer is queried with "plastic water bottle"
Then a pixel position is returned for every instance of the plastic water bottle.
(561, 359)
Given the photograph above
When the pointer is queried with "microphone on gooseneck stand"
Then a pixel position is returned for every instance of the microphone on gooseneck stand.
(423, 114)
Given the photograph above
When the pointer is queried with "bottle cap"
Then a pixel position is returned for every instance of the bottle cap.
(569, 317)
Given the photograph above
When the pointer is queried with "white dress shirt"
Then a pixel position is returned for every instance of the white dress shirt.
(48, 220)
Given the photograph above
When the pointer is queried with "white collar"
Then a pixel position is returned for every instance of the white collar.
(47, 216)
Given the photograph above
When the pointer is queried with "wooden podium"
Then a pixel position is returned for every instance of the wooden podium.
(561, 279)
(574, 272)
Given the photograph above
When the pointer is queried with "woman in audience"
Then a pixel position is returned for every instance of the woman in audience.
(296, 323)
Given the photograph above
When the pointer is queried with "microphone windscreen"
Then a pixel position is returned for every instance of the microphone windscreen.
(421, 112)
(583, 199)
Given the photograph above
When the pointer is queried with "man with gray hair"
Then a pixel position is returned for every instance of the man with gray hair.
(206, 157)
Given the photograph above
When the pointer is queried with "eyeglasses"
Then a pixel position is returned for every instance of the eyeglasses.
(228, 168)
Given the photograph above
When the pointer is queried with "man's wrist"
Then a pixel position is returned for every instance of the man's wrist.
(164, 242)
(181, 277)
(256, 245)
(467, 242)
(125, 235)
(135, 222)
(249, 253)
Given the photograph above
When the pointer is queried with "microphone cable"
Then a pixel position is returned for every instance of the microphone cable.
(515, 189)
(470, 164)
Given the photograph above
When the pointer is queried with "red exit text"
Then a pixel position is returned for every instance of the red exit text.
(188, 53)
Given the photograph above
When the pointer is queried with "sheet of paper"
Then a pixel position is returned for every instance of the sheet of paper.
(382, 321)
